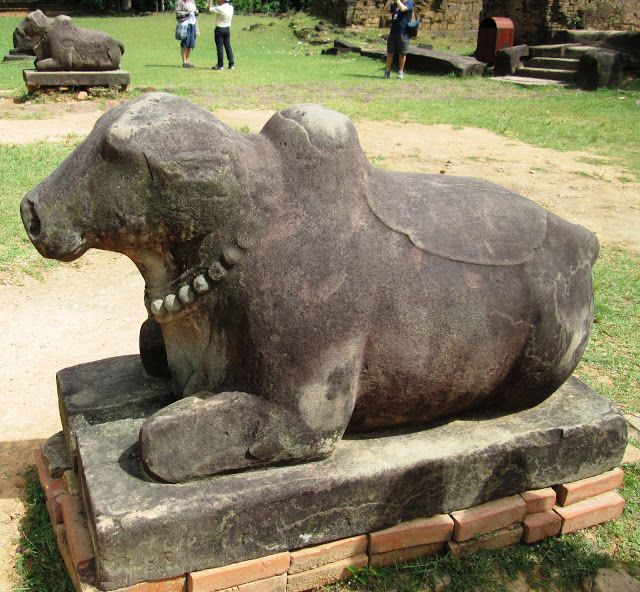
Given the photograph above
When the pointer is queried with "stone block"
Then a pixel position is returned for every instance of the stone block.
(539, 500)
(34, 79)
(236, 574)
(77, 534)
(412, 533)
(273, 584)
(592, 511)
(488, 517)
(541, 525)
(402, 555)
(571, 493)
(313, 557)
(327, 574)
(505, 537)
(108, 390)
(55, 455)
(231, 518)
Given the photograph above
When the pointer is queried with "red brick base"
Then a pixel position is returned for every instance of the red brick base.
(529, 517)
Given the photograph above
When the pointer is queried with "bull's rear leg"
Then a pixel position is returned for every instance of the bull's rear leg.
(208, 434)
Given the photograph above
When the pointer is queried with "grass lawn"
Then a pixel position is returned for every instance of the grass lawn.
(275, 70)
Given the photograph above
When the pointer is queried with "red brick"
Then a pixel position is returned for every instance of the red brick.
(66, 556)
(504, 537)
(576, 491)
(273, 584)
(539, 500)
(51, 487)
(488, 517)
(313, 557)
(327, 574)
(235, 574)
(169, 585)
(589, 512)
(541, 525)
(402, 555)
(412, 533)
(77, 533)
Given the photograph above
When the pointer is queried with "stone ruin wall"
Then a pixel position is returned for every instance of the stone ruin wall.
(460, 18)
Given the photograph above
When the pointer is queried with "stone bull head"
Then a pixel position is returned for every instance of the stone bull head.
(301, 292)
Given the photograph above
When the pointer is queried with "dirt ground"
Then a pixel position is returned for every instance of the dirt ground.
(93, 308)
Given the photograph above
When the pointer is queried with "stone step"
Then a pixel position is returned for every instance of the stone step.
(561, 75)
(553, 63)
(551, 51)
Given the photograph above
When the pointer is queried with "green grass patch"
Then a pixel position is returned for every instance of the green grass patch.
(610, 363)
(39, 565)
(21, 168)
(275, 70)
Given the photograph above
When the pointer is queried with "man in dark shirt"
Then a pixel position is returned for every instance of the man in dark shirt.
(398, 40)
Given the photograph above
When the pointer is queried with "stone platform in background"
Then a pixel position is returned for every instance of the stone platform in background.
(146, 530)
(111, 78)
(420, 58)
(12, 57)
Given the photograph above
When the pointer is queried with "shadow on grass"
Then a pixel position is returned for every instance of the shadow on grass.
(39, 565)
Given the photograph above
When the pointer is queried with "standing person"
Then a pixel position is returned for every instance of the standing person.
(222, 33)
(186, 10)
(398, 40)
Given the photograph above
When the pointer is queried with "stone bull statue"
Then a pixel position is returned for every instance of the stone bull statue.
(59, 45)
(301, 292)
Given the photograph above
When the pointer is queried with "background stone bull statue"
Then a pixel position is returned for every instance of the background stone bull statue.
(59, 45)
(302, 292)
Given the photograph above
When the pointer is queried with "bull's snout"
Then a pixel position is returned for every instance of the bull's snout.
(52, 234)
(30, 219)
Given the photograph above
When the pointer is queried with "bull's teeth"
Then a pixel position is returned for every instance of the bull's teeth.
(157, 308)
(201, 285)
(186, 294)
(216, 271)
(171, 303)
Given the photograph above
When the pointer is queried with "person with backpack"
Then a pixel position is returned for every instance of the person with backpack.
(398, 40)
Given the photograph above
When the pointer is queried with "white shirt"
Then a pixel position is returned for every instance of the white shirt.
(224, 14)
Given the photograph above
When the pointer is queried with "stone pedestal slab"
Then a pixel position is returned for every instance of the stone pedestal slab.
(146, 530)
(35, 79)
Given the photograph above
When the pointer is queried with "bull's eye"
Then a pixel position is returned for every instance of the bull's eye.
(109, 152)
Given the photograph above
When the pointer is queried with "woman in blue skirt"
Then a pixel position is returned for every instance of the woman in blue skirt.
(186, 11)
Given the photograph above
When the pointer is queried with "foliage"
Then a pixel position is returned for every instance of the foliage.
(21, 168)
(39, 565)
(610, 364)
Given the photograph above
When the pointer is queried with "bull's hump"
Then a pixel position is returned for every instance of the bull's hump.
(459, 218)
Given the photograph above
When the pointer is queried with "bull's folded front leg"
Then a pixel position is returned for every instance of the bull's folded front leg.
(207, 434)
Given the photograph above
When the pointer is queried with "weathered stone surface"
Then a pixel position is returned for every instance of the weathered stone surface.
(354, 299)
(56, 456)
(34, 79)
(107, 390)
(614, 580)
(370, 483)
(508, 59)
(600, 68)
(59, 45)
